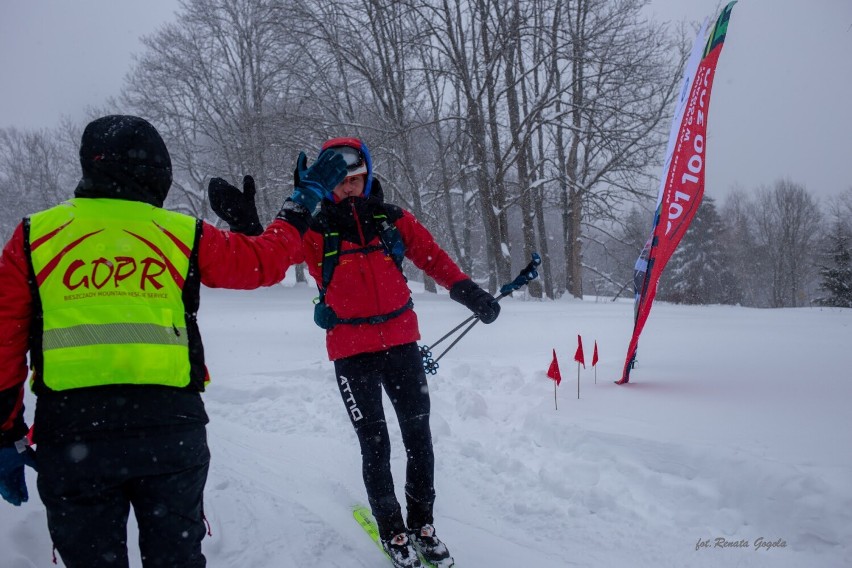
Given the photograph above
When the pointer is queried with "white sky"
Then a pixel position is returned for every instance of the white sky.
(780, 104)
(59, 56)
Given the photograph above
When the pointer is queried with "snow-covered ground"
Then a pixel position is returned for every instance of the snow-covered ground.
(735, 429)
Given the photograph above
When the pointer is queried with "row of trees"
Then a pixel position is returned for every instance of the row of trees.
(483, 115)
(775, 246)
(507, 126)
(37, 169)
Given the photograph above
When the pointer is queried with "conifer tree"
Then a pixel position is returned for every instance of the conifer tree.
(837, 275)
(698, 272)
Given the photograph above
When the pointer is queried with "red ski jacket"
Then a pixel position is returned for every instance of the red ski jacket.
(225, 260)
(368, 283)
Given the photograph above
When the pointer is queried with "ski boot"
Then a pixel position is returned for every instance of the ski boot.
(401, 552)
(430, 547)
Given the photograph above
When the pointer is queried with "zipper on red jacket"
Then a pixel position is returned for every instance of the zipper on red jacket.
(357, 223)
(363, 246)
(376, 295)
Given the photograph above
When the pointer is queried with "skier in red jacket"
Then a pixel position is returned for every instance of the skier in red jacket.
(354, 249)
(103, 292)
(371, 336)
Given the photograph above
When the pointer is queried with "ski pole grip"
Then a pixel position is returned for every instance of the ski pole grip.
(528, 274)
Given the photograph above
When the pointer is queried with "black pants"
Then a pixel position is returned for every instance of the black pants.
(360, 379)
(88, 488)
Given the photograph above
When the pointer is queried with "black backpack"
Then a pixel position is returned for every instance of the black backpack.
(391, 244)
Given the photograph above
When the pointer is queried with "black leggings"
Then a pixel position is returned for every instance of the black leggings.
(88, 488)
(360, 379)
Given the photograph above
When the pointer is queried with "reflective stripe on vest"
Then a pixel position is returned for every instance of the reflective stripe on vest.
(110, 277)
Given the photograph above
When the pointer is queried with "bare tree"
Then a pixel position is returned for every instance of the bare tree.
(376, 47)
(746, 255)
(38, 169)
(622, 86)
(463, 35)
(212, 82)
(447, 196)
(480, 113)
(788, 224)
(840, 207)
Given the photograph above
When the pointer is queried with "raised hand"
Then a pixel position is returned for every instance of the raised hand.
(235, 207)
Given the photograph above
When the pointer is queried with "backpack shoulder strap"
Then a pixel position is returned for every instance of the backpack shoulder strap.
(330, 257)
(391, 238)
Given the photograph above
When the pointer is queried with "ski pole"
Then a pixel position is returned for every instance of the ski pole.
(431, 365)
(526, 275)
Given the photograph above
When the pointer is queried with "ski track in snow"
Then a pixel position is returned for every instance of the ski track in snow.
(735, 427)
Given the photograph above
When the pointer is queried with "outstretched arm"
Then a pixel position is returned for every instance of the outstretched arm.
(240, 262)
(422, 249)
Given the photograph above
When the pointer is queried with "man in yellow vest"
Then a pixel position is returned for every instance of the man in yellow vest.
(103, 292)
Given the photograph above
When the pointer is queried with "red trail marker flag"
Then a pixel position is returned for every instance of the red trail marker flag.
(556, 376)
(682, 183)
(553, 370)
(595, 361)
(578, 355)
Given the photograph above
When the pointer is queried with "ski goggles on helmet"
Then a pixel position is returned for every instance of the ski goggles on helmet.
(355, 163)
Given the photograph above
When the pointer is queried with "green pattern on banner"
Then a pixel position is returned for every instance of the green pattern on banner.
(717, 36)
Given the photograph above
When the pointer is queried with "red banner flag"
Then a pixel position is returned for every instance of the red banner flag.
(578, 356)
(682, 183)
(553, 371)
(595, 354)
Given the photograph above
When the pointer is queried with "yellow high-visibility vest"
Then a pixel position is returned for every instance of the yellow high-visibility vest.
(110, 276)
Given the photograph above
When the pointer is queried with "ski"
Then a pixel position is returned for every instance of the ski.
(364, 517)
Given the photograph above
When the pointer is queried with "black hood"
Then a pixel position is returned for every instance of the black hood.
(124, 157)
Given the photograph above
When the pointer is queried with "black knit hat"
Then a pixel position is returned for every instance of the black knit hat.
(124, 157)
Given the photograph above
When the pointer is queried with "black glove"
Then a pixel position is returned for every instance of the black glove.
(235, 207)
(318, 181)
(481, 303)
